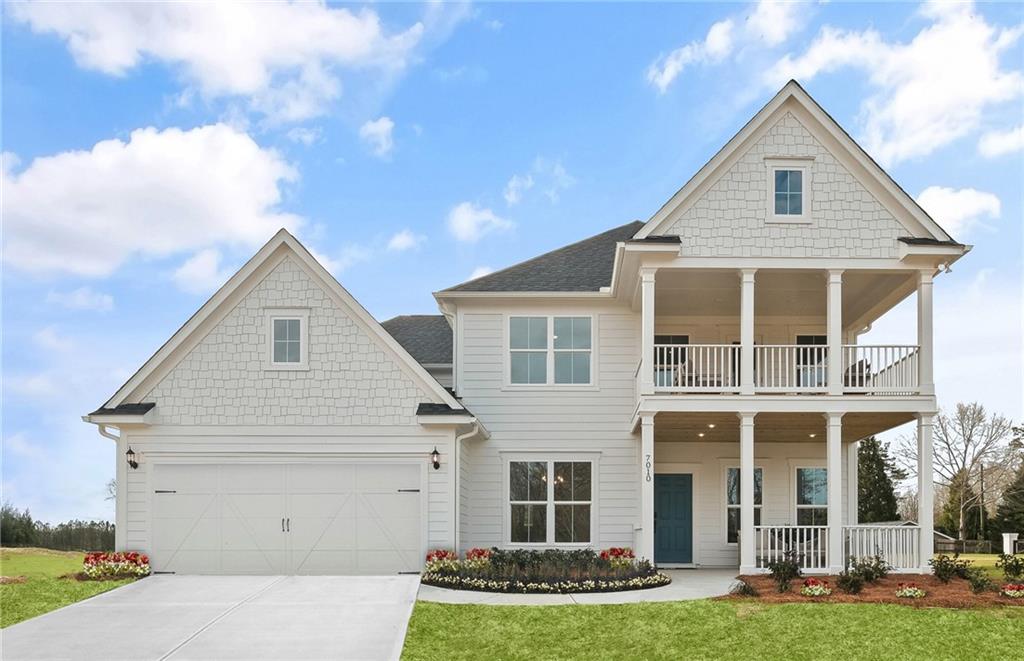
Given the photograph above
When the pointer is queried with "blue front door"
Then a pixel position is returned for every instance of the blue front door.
(673, 518)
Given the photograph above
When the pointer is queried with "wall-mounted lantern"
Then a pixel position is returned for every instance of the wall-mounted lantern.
(435, 458)
(130, 456)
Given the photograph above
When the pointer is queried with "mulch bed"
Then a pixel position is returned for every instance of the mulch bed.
(82, 576)
(955, 594)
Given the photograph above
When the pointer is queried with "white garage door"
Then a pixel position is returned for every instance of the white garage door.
(323, 518)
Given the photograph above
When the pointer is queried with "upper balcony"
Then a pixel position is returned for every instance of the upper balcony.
(773, 331)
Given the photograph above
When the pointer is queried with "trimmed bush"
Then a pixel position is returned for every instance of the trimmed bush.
(850, 582)
(979, 580)
(871, 569)
(947, 568)
(1012, 566)
(785, 570)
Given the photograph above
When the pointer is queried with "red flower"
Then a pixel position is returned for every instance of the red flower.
(441, 554)
(478, 554)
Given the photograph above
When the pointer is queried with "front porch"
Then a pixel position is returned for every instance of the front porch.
(705, 482)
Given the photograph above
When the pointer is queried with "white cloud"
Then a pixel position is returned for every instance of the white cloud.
(480, 272)
(548, 175)
(405, 240)
(377, 134)
(715, 46)
(1000, 143)
(929, 91)
(48, 338)
(305, 135)
(83, 298)
(468, 222)
(19, 445)
(201, 273)
(351, 255)
(158, 194)
(30, 386)
(281, 56)
(959, 211)
(773, 22)
(515, 187)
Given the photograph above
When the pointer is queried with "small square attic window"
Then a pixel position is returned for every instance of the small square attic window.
(288, 339)
(789, 195)
(789, 190)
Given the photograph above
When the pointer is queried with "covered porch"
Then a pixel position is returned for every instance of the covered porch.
(790, 478)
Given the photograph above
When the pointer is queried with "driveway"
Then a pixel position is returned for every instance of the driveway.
(226, 617)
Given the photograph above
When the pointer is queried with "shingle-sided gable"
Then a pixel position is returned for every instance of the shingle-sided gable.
(729, 217)
(351, 379)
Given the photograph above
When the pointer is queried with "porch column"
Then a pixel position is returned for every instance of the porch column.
(925, 489)
(747, 331)
(926, 380)
(835, 332)
(646, 541)
(747, 551)
(852, 504)
(834, 441)
(647, 331)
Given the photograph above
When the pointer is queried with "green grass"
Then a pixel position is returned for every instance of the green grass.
(711, 630)
(987, 562)
(44, 590)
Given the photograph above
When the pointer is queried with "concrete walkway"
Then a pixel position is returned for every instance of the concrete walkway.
(686, 584)
(226, 617)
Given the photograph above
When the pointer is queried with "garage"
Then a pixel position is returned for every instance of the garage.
(325, 517)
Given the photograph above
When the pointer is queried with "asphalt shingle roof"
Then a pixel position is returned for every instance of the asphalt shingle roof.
(427, 337)
(582, 266)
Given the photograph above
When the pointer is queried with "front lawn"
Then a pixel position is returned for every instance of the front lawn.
(43, 589)
(986, 561)
(711, 629)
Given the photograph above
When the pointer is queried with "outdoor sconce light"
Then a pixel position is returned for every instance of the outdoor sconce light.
(130, 456)
(435, 458)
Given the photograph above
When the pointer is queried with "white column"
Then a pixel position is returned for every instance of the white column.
(925, 489)
(747, 331)
(834, 440)
(835, 332)
(646, 546)
(647, 331)
(925, 340)
(747, 559)
(851, 484)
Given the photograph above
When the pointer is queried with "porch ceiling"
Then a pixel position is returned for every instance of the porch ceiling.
(769, 427)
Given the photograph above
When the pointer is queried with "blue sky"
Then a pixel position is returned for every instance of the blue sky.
(150, 149)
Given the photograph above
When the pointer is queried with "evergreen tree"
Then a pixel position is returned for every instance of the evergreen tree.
(877, 475)
(1010, 513)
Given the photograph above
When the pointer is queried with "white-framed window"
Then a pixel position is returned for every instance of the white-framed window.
(789, 190)
(732, 501)
(550, 501)
(811, 496)
(288, 339)
(550, 350)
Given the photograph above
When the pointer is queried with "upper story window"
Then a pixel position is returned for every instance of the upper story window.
(550, 350)
(789, 190)
(288, 339)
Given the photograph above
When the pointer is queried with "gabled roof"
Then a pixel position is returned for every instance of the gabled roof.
(580, 267)
(282, 244)
(892, 195)
(427, 337)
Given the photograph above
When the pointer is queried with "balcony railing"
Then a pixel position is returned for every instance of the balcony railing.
(809, 544)
(900, 546)
(889, 369)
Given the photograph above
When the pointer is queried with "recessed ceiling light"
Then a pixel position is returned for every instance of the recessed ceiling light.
(812, 435)
(701, 434)
(711, 425)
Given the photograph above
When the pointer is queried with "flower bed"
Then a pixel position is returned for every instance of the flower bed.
(107, 566)
(541, 572)
(1013, 590)
(815, 587)
(910, 591)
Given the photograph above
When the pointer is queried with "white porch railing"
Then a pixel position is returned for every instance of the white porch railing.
(790, 368)
(880, 368)
(696, 367)
(809, 543)
(899, 545)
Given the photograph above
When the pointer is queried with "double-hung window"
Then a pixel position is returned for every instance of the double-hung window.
(732, 501)
(550, 502)
(812, 497)
(550, 350)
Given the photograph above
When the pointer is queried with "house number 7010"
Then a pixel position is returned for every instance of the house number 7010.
(647, 466)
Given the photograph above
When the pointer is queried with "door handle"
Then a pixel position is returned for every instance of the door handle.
(282, 525)
(289, 520)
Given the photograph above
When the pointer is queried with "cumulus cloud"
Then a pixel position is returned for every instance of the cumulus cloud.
(50, 339)
(305, 135)
(377, 135)
(469, 222)
(930, 91)
(772, 22)
(160, 193)
(202, 272)
(19, 445)
(83, 298)
(515, 187)
(1000, 143)
(480, 272)
(715, 46)
(405, 240)
(283, 57)
(959, 211)
(548, 175)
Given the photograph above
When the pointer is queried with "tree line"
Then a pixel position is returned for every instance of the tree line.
(18, 528)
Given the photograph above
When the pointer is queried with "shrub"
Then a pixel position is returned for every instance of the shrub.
(103, 566)
(815, 587)
(979, 580)
(785, 570)
(1012, 566)
(909, 591)
(850, 582)
(743, 589)
(619, 556)
(871, 569)
(1013, 590)
(946, 568)
(441, 559)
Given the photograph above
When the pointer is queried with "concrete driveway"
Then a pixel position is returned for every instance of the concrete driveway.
(226, 617)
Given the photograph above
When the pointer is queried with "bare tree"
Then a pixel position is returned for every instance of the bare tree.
(969, 452)
(111, 489)
(906, 505)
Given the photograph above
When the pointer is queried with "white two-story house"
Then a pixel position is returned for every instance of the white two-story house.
(693, 387)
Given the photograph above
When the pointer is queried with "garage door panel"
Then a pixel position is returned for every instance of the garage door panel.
(187, 478)
(183, 505)
(252, 505)
(387, 561)
(252, 478)
(326, 506)
(253, 534)
(187, 562)
(328, 562)
(334, 535)
(254, 562)
(387, 478)
(171, 534)
(377, 535)
(321, 478)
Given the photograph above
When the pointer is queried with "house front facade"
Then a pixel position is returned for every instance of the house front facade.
(692, 386)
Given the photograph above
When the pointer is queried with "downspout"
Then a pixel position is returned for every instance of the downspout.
(102, 428)
(473, 431)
